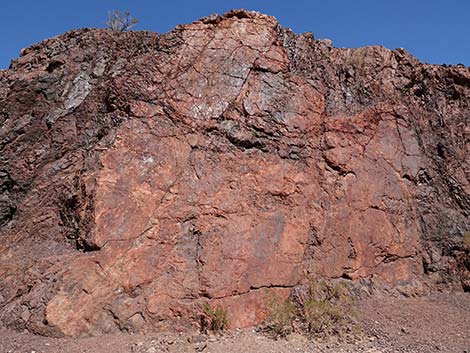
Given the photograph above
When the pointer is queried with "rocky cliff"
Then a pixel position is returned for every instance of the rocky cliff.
(226, 162)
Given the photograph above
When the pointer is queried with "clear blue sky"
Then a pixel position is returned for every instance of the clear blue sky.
(435, 31)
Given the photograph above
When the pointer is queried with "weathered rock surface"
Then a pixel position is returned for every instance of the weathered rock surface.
(144, 175)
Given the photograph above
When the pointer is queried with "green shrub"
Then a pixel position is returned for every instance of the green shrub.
(281, 317)
(323, 308)
(327, 308)
(217, 318)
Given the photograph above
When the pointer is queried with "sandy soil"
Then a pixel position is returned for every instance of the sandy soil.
(439, 323)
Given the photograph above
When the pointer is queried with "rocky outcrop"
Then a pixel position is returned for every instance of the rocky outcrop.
(226, 162)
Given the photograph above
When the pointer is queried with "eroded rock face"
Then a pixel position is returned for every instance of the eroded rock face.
(226, 162)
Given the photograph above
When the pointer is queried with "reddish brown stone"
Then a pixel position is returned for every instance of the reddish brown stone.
(143, 176)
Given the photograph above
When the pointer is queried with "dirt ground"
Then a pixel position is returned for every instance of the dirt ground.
(439, 323)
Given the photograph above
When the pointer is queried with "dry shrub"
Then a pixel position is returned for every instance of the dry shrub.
(119, 22)
(281, 317)
(320, 308)
(216, 317)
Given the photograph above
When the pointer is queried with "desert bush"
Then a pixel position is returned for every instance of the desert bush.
(327, 308)
(217, 318)
(119, 22)
(282, 314)
(321, 308)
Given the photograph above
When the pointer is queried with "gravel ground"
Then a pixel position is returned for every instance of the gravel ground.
(439, 323)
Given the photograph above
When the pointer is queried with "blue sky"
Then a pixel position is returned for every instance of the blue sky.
(435, 31)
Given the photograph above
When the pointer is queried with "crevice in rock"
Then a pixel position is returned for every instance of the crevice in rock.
(352, 250)
(53, 65)
(7, 198)
(337, 168)
(89, 247)
(313, 242)
(408, 177)
(240, 14)
(196, 235)
(256, 288)
(70, 216)
(394, 257)
(245, 144)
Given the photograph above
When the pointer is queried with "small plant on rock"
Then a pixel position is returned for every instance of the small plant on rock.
(119, 22)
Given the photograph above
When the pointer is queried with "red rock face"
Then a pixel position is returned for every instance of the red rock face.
(226, 162)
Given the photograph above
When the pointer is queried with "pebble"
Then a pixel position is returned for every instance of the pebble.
(201, 347)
